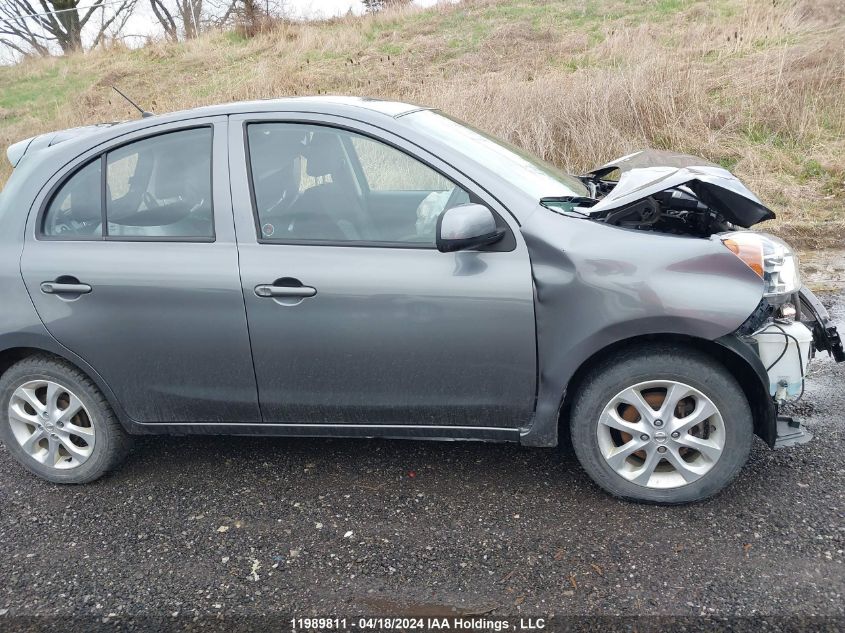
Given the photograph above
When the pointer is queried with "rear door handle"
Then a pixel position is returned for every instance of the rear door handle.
(276, 292)
(58, 288)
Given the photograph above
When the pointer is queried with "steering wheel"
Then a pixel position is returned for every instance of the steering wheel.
(283, 204)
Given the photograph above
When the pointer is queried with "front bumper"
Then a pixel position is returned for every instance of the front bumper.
(790, 432)
(777, 380)
(811, 312)
(787, 345)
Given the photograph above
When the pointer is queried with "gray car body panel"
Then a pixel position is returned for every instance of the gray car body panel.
(598, 285)
(394, 335)
(165, 321)
(592, 285)
(20, 326)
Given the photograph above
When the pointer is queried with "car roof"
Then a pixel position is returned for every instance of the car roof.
(389, 108)
(320, 104)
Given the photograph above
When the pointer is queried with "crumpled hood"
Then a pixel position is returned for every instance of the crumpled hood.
(647, 172)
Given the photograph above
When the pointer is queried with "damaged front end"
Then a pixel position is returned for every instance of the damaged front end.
(664, 192)
(670, 193)
(785, 333)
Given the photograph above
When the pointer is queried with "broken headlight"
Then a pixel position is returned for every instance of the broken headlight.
(771, 258)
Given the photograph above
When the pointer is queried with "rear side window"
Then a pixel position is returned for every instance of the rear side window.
(155, 188)
(161, 187)
(76, 209)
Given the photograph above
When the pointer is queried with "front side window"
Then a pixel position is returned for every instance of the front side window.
(314, 183)
(158, 187)
(387, 169)
(75, 211)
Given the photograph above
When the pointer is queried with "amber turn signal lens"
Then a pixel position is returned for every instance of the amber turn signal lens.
(751, 252)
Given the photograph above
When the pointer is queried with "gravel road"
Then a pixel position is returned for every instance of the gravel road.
(198, 530)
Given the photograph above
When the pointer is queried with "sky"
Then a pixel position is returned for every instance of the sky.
(143, 23)
(329, 8)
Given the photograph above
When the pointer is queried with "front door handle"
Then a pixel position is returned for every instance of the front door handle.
(60, 288)
(285, 292)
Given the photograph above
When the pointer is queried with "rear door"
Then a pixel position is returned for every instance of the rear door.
(354, 316)
(132, 264)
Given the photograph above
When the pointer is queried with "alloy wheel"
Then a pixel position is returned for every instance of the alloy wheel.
(51, 424)
(661, 434)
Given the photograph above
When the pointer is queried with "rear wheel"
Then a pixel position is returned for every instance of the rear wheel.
(57, 424)
(661, 425)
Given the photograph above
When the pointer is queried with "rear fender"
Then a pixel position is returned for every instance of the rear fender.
(14, 345)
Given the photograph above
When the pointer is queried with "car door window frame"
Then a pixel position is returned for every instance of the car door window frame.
(101, 154)
(506, 244)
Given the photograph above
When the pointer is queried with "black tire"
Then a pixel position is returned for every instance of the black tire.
(646, 363)
(112, 442)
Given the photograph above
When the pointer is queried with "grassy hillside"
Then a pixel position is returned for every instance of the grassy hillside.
(757, 85)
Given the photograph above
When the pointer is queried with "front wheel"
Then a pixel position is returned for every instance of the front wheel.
(666, 425)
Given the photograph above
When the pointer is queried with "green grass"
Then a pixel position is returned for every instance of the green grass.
(728, 162)
(42, 89)
(235, 37)
(392, 48)
(761, 134)
(812, 169)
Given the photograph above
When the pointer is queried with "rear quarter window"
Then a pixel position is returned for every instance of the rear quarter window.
(76, 208)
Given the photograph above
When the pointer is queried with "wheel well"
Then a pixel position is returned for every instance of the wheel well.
(9, 357)
(745, 375)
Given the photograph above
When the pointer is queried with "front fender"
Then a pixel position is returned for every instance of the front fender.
(597, 285)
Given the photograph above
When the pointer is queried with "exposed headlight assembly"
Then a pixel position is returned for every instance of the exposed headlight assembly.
(769, 257)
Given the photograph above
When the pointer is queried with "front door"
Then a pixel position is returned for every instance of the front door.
(132, 265)
(354, 316)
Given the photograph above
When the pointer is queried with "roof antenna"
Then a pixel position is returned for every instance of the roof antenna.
(144, 113)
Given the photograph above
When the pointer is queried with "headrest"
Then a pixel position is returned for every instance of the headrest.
(183, 169)
(276, 147)
(324, 154)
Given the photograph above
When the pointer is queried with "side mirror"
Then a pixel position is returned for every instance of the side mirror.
(466, 226)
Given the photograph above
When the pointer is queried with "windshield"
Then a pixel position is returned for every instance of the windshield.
(537, 178)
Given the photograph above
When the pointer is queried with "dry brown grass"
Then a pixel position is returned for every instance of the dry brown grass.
(757, 86)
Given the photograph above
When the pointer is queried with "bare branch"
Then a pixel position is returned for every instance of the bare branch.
(123, 11)
(60, 21)
(166, 20)
(97, 5)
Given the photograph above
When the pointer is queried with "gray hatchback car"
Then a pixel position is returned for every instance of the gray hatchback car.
(363, 268)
